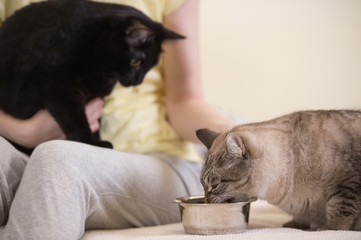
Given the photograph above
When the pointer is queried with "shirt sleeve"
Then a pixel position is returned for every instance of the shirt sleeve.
(2, 11)
(171, 5)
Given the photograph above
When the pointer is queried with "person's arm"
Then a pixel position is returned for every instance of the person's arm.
(186, 106)
(31, 132)
(42, 127)
(2, 11)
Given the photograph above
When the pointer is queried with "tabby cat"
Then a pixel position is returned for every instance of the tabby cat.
(307, 163)
(57, 55)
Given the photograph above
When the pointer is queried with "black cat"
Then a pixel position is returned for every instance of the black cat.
(57, 55)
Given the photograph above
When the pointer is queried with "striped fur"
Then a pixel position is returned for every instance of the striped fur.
(307, 163)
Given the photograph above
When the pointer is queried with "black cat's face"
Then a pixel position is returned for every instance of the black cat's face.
(128, 49)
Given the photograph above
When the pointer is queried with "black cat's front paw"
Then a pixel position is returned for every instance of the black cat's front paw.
(104, 144)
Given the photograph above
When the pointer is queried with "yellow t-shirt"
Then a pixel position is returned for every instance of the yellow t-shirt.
(134, 118)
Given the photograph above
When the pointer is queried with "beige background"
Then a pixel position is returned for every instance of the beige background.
(263, 58)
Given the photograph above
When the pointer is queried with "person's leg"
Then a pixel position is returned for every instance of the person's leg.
(68, 187)
(12, 165)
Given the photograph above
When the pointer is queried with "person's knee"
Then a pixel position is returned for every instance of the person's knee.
(12, 165)
(53, 157)
(6, 148)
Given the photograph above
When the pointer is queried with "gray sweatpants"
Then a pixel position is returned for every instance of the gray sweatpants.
(65, 188)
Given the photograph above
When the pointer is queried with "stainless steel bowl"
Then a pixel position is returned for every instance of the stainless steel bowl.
(215, 218)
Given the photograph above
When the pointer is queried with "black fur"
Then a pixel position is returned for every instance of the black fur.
(57, 55)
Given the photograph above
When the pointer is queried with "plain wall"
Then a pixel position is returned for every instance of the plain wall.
(264, 58)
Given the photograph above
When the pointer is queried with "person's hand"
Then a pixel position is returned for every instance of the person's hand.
(94, 110)
(42, 126)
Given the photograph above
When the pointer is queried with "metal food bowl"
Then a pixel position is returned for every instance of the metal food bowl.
(214, 218)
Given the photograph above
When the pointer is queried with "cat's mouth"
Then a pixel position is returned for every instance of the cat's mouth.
(130, 79)
(125, 84)
(130, 83)
(221, 200)
(232, 198)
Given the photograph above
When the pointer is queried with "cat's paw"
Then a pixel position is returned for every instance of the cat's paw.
(293, 224)
(323, 228)
(104, 144)
(290, 224)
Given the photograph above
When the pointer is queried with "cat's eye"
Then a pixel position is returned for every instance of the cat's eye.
(135, 62)
(215, 185)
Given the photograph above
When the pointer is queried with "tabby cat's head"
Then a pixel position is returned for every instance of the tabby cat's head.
(226, 172)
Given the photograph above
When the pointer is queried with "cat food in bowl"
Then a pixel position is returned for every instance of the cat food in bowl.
(212, 218)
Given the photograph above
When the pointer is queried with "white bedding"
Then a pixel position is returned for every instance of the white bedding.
(265, 224)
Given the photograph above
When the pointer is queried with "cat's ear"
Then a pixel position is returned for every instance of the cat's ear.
(206, 136)
(170, 35)
(137, 34)
(235, 145)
